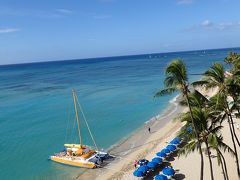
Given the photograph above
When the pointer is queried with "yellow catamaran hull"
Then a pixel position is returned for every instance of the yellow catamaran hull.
(73, 163)
(79, 155)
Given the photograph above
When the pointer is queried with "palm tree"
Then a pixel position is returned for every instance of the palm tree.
(209, 130)
(233, 59)
(203, 126)
(177, 80)
(216, 143)
(196, 99)
(233, 88)
(215, 78)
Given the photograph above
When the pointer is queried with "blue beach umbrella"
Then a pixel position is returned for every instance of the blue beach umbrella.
(175, 141)
(143, 168)
(157, 160)
(189, 129)
(152, 164)
(160, 177)
(168, 171)
(143, 162)
(166, 151)
(178, 139)
(138, 173)
(171, 147)
(161, 154)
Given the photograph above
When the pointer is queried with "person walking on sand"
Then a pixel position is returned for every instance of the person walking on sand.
(149, 130)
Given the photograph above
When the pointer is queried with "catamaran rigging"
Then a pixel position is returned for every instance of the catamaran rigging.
(78, 154)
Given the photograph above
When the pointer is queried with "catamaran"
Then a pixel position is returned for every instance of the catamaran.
(78, 154)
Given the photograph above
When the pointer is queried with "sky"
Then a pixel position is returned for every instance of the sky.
(46, 30)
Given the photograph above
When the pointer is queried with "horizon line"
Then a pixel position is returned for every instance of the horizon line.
(117, 56)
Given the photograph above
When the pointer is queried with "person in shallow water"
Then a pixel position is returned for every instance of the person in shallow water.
(149, 130)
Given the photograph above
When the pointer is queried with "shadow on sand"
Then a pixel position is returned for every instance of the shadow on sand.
(167, 163)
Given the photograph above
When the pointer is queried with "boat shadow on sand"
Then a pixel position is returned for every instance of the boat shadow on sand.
(106, 161)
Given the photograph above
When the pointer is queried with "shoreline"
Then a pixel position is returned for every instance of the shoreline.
(147, 144)
(128, 147)
(172, 107)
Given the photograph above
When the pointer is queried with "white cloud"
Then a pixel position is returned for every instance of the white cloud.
(184, 1)
(228, 25)
(64, 11)
(54, 14)
(8, 30)
(207, 24)
(50, 13)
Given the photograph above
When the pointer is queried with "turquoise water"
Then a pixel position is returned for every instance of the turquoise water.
(36, 106)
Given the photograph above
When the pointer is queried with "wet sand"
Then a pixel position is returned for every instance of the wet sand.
(139, 144)
(143, 144)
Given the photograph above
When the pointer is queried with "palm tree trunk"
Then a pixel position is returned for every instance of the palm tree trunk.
(234, 132)
(231, 127)
(198, 139)
(210, 160)
(235, 102)
(224, 174)
(234, 145)
(224, 163)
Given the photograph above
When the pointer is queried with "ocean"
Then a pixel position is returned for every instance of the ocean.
(37, 112)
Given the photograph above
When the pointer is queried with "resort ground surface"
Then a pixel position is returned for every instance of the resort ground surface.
(143, 144)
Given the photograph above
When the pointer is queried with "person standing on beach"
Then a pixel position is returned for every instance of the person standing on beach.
(135, 163)
(149, 130)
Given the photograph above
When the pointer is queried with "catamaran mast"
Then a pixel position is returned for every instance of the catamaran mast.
(77, 117)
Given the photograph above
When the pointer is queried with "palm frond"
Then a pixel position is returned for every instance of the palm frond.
(167, 91)
(199, 83)
(188, 148)
(177, 69)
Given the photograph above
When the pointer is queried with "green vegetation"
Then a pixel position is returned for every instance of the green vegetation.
(206, 115)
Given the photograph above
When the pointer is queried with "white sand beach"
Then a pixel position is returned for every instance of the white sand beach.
(144, 145)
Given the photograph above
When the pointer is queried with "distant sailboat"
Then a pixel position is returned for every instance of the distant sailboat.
(78, 154)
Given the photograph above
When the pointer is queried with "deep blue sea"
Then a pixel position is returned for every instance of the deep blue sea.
(36, 106)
